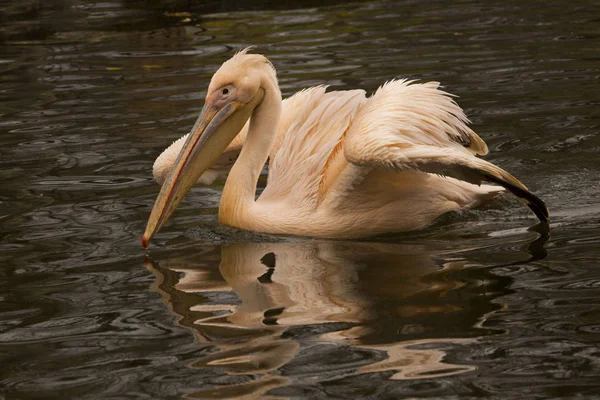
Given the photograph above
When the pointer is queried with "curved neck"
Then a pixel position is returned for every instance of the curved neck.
(240, 188)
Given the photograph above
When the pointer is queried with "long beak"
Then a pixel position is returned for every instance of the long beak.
(215, 128)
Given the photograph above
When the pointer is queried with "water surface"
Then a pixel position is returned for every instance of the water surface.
(481, 305)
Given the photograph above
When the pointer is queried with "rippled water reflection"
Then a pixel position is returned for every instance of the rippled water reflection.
(477, 306)
(318, 311)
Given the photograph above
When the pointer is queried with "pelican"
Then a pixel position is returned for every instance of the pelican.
(343, 165)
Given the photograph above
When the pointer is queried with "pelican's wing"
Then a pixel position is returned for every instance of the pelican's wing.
(407, 126)
(311, 145)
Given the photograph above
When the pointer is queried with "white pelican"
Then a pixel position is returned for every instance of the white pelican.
(346, 166)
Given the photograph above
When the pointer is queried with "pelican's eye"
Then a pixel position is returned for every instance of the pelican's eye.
(223, 95)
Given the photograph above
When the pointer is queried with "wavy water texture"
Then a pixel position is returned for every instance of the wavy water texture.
(476, 306)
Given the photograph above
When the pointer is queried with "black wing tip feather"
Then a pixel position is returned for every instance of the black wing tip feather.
(534, 203)
(538, 207)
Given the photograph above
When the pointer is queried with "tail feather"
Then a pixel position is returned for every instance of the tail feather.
(456, 164)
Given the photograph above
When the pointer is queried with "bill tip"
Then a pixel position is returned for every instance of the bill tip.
(144, 242)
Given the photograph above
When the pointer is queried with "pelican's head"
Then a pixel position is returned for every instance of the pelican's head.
(235, 90)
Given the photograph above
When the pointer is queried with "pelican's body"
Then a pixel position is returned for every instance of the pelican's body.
(341, 165)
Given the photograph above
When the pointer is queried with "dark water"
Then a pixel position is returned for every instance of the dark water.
(477, 306)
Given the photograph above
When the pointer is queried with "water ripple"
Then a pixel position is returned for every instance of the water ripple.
(477, 306)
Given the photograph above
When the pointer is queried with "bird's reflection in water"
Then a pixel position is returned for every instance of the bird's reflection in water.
(299, 312)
